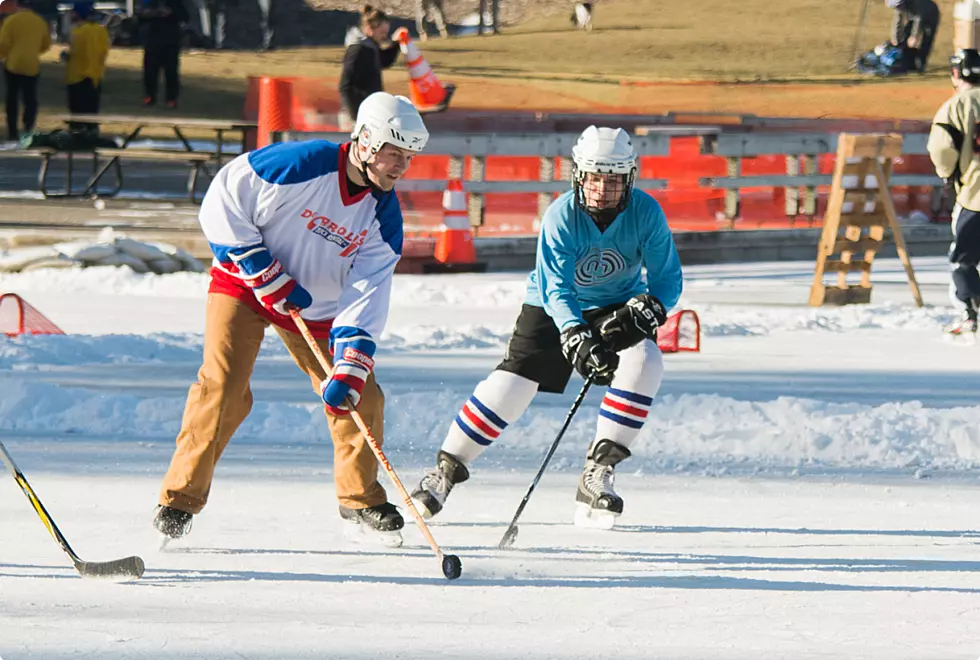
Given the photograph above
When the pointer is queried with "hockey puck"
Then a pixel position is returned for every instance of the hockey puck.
(452, 567)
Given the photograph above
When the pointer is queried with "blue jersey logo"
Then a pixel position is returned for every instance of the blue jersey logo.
(598, 266)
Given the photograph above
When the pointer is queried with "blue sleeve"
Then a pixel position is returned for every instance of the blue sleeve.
(555, 267)
(665, 281)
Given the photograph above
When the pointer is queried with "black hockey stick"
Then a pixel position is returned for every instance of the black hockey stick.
(511, 534)
(859, 34)
(130, 568)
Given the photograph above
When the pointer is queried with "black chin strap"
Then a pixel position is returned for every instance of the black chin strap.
(362, 168)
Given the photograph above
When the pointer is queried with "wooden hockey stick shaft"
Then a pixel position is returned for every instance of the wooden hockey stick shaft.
(375, 447)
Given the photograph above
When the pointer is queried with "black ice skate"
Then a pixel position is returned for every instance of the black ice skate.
(377, 524)
(432, 491)
(597, 504)
(172, 523)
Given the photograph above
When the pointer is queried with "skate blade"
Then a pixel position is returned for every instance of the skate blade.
(170, 544)
(589, 518)
(961, 338)
(366, 535)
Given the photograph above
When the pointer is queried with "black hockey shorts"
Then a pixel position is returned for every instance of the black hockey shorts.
(534, 350)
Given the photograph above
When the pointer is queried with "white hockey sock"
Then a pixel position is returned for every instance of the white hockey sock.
(626, 404)
(497, 401)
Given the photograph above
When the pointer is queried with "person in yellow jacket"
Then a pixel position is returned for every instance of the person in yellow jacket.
(23, 38)
(85, 69)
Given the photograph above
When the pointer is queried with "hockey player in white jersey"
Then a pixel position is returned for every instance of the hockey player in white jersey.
(314, 226)
(588, 307)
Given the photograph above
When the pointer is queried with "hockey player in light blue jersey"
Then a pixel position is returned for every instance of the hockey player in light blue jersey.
(588, 307)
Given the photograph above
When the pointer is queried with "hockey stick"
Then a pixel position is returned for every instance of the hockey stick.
(511, 534)
(859, 34)
(452, 568)
(130, 568)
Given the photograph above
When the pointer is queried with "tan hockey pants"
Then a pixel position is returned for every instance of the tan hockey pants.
(221, 399)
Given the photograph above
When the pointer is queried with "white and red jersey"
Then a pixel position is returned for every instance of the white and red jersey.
(293, 198)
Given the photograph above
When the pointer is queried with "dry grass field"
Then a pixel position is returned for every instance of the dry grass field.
(645, 56)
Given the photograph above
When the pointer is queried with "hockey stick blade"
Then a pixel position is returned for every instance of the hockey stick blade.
(130, 568)
(119, 570)
(508, 539)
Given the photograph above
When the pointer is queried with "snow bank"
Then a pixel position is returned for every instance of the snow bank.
(686, 434)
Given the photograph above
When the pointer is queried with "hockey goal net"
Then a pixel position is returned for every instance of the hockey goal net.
(681, 332)
(18, 317)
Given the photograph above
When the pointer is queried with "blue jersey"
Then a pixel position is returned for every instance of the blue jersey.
(578, 267)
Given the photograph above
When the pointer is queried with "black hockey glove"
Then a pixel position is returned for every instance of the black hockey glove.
(635, 321)
(588, 355)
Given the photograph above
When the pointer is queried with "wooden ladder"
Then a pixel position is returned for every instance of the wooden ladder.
(856, 218)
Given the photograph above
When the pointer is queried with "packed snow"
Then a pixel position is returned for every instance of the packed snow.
(806, 486)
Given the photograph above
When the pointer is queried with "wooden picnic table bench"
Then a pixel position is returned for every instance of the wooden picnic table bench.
(209, 160)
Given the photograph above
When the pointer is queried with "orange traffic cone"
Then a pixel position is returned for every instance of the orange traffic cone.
(428, 94)
(455, 242)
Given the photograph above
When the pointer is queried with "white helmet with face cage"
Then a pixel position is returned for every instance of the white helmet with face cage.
(603, 151)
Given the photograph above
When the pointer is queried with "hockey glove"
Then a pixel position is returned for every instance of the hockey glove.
(264, 275)
(638, 319)
(353, 351)
(588, 355)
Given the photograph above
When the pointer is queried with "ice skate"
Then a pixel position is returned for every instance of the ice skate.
(379, 525)
(597, 504)
(172, 524)
(965, 330)
(434, 489)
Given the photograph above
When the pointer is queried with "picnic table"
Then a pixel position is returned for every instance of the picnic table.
(106, 159)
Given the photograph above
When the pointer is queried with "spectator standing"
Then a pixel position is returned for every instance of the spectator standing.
(24, 37)
(434, 10)
(86, 59)
(953, 148)
(914, 28)
(161, 23)
(363, 62)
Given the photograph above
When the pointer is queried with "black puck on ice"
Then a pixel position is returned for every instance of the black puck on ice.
(452, 567)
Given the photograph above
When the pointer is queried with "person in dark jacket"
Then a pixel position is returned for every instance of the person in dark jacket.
(363, 61)
(914, 29)
(161, 24)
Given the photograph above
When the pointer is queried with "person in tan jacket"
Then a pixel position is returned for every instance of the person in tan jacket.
(954, 147)
(24, 37)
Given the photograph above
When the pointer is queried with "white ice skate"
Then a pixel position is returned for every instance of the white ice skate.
(962, 332)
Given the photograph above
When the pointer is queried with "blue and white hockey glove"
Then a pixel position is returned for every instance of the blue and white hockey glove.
(353, 352)
(264, 275)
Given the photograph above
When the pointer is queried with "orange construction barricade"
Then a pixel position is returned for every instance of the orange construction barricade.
(427, 93)
(275, 108)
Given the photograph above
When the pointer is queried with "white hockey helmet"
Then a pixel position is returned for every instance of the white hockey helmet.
(386, 119)
(603, 151)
